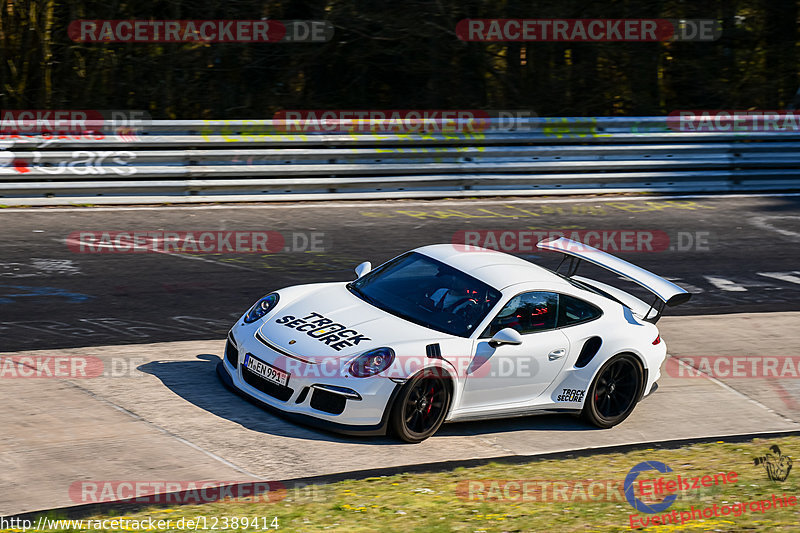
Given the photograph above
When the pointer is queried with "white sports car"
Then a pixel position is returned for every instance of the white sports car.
(452, 332)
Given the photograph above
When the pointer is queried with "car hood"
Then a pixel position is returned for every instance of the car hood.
(331, 322)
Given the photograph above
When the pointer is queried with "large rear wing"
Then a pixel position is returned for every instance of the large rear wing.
(666, 292)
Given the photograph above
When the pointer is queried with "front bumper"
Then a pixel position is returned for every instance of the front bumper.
(356, 406)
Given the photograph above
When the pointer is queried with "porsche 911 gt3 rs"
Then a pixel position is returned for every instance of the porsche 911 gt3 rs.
(452, 332)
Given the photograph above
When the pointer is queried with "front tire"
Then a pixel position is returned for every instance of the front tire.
(421, 407)
(614, 392)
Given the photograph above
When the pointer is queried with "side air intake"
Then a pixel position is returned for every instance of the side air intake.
(434, 351)
(589, 350)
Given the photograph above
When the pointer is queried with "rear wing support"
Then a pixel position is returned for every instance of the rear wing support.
(572, 266)
(658, 305)
(666, 293)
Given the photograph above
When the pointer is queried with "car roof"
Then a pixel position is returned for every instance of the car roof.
(498, 269)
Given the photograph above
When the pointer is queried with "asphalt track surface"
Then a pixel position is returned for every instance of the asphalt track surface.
(158, 412)
(736, 254)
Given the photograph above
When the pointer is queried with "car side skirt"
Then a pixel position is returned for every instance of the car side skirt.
(529, 411)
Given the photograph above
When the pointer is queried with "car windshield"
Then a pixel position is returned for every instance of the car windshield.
(427, 292)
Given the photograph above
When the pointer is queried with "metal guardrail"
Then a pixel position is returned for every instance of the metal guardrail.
(258, 160)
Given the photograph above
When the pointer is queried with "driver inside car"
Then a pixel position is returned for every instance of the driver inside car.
(449, 294)
(454, 299)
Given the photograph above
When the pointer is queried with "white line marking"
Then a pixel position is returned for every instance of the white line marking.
(394, 203)
(789, 277)
(725, 284)
(39, 267)
(731, 389)
(765, 223)
(206, 260)
(685, 285)
(162, 430)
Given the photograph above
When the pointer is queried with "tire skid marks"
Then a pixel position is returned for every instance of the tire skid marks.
(104, 327)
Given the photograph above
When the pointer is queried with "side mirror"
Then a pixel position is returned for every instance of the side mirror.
(506, 336)
(363, 268)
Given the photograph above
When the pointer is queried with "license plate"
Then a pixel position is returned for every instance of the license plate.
(266, 370)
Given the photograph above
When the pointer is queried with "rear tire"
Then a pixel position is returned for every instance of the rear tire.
(614, 391)
(421, 407)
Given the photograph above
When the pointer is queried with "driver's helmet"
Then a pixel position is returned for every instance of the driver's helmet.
(510, 308)
(508, 317)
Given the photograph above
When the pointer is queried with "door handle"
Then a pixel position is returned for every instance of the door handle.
(557, 354)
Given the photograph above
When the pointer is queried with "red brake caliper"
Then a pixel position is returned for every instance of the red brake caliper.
(430, 402)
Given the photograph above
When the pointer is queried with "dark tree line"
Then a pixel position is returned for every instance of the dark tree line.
(398, 55)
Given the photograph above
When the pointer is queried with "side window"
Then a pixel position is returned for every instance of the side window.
(574, 311)
(527, 313)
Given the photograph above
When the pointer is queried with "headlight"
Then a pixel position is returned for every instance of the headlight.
(371, 362)
(262, 307)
